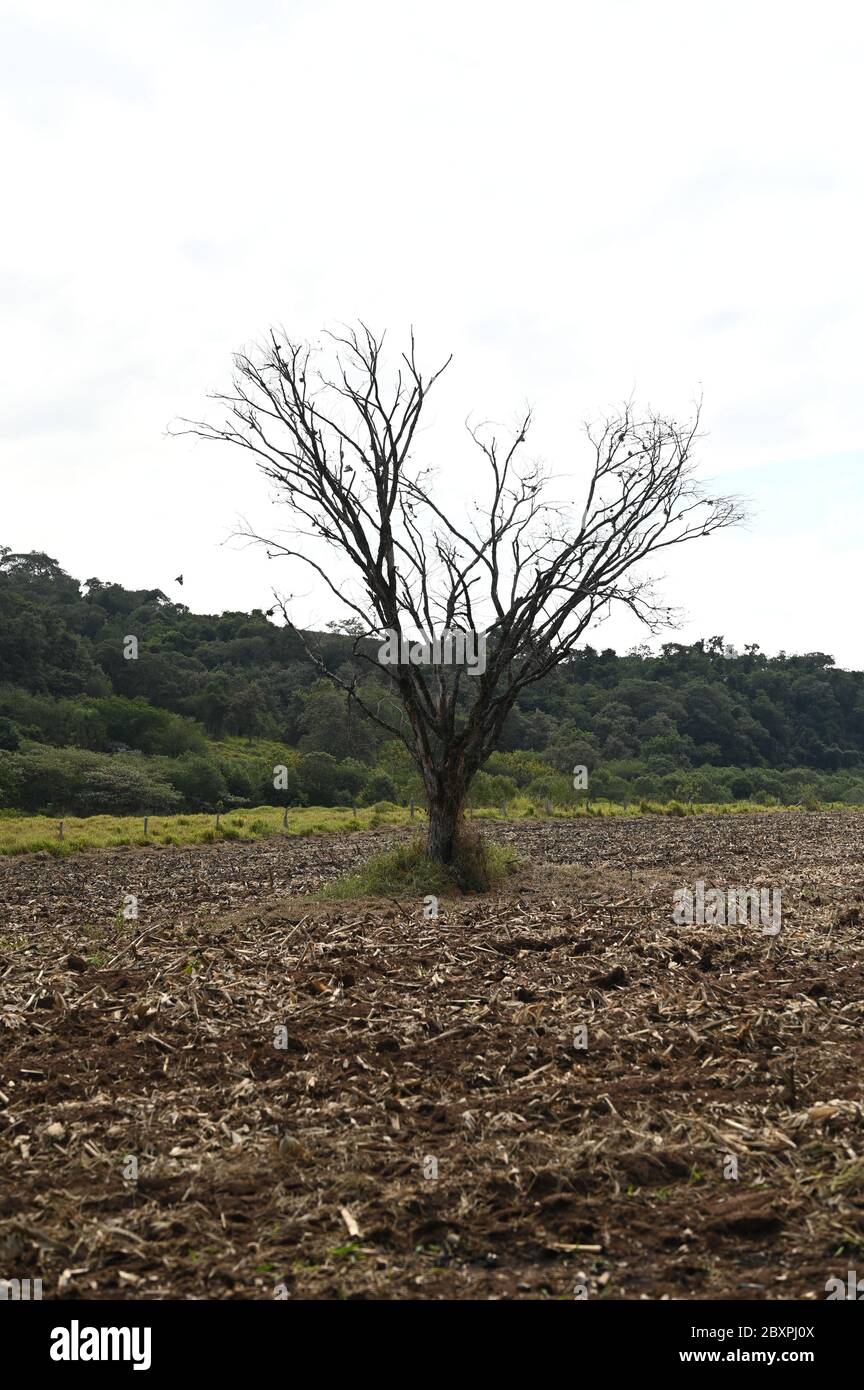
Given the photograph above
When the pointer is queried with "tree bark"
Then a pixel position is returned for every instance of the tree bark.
(445, 815)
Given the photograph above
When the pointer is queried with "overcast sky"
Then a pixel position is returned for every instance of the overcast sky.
(580, 201)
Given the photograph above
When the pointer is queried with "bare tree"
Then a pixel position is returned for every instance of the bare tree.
(525, 572)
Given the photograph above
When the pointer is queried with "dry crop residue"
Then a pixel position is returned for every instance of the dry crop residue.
(415, 1046)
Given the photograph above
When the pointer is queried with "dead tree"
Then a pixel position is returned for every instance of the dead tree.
(523, 571)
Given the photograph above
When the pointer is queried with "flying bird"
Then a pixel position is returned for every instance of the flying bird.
(179, 579)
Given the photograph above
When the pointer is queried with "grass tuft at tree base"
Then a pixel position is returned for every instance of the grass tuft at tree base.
(408, 870)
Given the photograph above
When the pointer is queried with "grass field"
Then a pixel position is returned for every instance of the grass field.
(34, 834)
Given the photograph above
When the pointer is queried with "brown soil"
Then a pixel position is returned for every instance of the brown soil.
(411, 1043)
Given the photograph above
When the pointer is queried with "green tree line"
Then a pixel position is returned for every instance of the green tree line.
(213, 703)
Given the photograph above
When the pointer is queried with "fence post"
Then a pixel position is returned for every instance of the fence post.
(504, 809)
(412, 810)
(146, 823)
(285, 818)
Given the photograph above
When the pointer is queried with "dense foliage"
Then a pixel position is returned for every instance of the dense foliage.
(212, 704)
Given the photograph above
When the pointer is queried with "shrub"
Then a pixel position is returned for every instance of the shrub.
(380, 791)
(325, 782)
(491, 791)
(10, 738)
(118, 789)
(51, 780)
(198, 779)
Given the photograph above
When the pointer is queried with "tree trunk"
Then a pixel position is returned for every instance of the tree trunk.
(445, 814)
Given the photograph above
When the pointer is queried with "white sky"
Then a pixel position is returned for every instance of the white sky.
(579, 200)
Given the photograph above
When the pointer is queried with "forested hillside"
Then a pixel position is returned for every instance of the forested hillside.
(213, 703)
